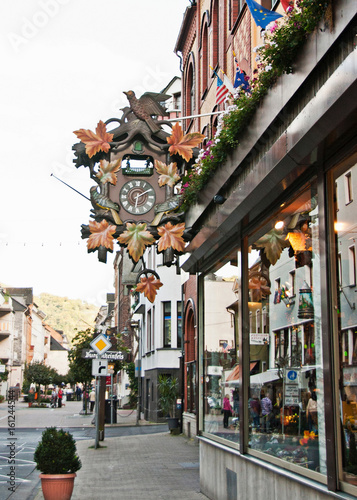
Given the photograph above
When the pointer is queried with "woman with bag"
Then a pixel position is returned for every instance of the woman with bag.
(311, 413)
(60, 396)
(227, 411)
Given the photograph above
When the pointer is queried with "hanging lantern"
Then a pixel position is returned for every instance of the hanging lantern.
(306, 305)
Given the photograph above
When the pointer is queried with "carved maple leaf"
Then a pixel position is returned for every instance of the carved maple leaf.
(171, 236)
(137, 238)
(183, 144)
(297, 240)
(101, 235)
(168, 173)
(259, 287)
(107, 171)
(95, 141)
(149, 286)
(273, 243)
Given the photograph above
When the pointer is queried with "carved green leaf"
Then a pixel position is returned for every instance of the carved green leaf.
(273, 243)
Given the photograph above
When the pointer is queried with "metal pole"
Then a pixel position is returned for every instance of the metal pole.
(139, 378)
(283, 416)
(111, 400)
(193, 116)
(65, 183)
(96, 412)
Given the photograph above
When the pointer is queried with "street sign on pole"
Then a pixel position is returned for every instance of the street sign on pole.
(99, 367)
(101, 344)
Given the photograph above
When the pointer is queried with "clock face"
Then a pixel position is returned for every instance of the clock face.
(137, 196)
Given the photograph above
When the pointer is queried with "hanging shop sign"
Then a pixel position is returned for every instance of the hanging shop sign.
(259, 338)
(109, 355)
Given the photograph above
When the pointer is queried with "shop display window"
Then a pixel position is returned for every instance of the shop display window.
(345, 226)
(286, 391)
(221, 351)
(191, 387)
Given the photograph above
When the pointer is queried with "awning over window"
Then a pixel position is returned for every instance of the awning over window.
(235, 373)
(264, 377)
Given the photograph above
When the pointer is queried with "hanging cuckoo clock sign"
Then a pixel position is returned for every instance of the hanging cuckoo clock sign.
(134, 199)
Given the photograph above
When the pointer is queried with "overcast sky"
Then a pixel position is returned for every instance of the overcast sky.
(64, 66)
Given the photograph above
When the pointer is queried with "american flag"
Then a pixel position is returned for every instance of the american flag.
(221, 92)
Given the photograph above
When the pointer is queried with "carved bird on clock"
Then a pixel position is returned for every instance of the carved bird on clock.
(99, 200)
(147, 106)
(102, 201)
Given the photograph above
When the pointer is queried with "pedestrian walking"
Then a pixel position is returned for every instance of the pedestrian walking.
(267, 409)
(227, 411)
(92, 399)
(78, 392)
(53, 398)
(60, 396)
(255, 412)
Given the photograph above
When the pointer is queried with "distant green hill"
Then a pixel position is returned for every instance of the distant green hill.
(66, 314)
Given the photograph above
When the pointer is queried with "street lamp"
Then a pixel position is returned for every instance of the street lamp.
(125, 332)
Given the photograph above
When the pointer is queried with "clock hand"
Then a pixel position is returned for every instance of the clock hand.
(141, 194)
(138, 196)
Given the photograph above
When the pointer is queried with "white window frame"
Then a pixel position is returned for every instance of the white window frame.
(348, 187)
(352, 265)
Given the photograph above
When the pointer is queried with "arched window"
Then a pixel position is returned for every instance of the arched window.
(233, 12)
(190, 362)
(190, 90)
(235, 8)
(204, 58)
(215, 33)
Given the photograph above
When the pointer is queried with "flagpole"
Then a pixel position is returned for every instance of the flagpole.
(193, 116)
(65, 183)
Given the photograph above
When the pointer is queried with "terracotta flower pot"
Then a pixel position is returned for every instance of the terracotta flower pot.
(57, 486)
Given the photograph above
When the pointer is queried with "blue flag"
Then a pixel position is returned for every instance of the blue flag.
(240, 79)
(261, 15)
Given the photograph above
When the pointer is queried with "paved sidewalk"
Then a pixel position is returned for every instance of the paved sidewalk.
(152, 467)
(68, 416)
